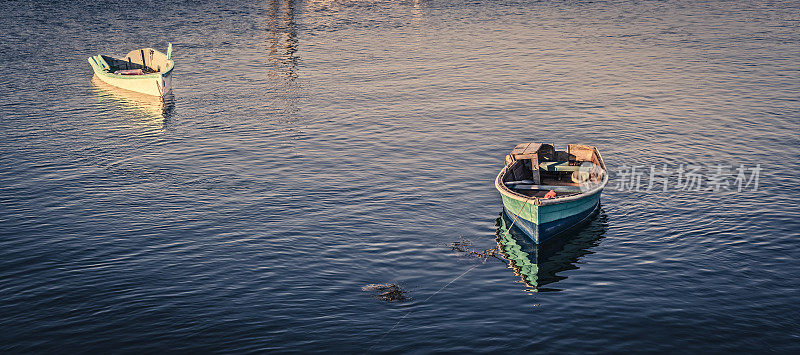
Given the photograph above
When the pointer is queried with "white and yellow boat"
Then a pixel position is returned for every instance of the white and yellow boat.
(145, 71)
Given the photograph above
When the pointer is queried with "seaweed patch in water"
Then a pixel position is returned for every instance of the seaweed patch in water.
(387, 292)
(465, 246)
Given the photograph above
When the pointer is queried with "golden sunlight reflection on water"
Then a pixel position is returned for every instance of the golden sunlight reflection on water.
(141, 110)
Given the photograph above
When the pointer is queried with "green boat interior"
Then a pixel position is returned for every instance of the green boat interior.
(536, 169)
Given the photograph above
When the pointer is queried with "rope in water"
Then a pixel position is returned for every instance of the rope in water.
(524, 203)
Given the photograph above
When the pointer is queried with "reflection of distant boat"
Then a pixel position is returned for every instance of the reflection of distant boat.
(146, 71)
(154, 108)
(549, 192)
(539, 265)
(282, 33)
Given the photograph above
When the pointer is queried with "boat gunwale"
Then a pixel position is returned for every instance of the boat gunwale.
(500, 186)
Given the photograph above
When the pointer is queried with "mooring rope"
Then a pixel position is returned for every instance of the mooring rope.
(524, 203)
(429, 297)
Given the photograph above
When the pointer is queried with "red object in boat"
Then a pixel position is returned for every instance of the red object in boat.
(129, 72)
(550, 194)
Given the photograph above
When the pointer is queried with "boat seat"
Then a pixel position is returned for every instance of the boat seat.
(558, 166)
(521, 182)
(555, 188)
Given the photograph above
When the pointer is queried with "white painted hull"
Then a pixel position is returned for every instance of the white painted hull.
(148, 86)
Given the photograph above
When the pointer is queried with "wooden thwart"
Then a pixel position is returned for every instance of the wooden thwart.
(555, 188)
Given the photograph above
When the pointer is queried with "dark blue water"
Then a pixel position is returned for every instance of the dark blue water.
(313, 147)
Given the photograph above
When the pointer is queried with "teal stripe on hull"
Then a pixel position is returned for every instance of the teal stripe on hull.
(565, 210)
(540, 233)
(549, 213)
(544, 222)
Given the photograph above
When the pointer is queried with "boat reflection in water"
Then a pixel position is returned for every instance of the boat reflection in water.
(282, 40)
(539, 265)
(282, 87)
(148, 110)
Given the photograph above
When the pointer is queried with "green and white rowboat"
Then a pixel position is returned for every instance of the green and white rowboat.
(547, 192)
(145, 71)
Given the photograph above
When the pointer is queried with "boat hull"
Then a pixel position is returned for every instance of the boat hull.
(155, 86)
(541, 223)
